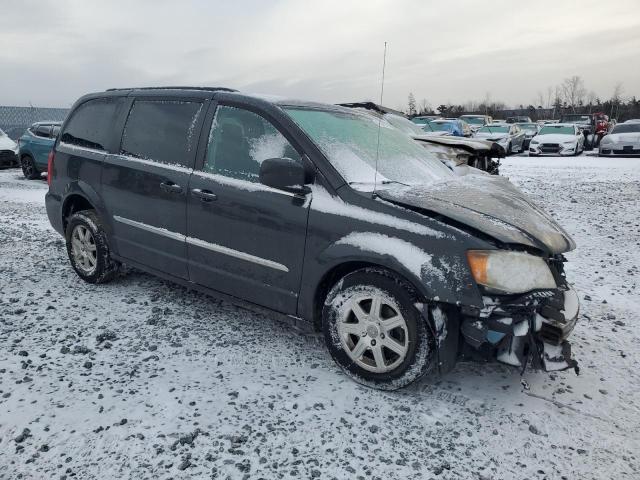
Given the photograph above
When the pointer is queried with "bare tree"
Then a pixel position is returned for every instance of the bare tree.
(573, 91)
(591, 99)
(549, 97)
(616, 98)
(425, 107)
(539, 101)
(412, 104)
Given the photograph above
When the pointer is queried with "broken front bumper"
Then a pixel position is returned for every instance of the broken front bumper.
(531, 328)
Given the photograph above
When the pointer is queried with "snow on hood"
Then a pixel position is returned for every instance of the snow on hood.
(488, 203)
(555, 138)
(6, 143)
(632, 137)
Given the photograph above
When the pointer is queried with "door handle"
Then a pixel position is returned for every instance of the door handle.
(170, 187)
(204, 195)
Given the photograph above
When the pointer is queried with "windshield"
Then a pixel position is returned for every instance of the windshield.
(626, 128)
(403, 124)
(442, 126)
(350, 139)
(427, 127)
(474, 120)
(551, 129)
(494, 129)
(576, 118)
(528, 126)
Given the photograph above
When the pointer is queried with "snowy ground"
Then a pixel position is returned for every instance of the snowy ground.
(143, 379)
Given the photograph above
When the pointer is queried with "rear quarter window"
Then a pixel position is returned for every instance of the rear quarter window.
(91, 123)
(164, 131)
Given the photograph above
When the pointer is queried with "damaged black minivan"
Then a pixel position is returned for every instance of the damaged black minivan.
(319, 213)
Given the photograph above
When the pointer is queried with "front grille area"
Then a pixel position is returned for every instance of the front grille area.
(627, 150)
(550, 147)
(8, 157)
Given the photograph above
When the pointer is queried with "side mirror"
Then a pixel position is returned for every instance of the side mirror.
(285, 174)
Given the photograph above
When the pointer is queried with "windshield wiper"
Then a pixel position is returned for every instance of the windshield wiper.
(382, 182)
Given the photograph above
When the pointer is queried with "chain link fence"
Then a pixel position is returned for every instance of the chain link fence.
(15, 120)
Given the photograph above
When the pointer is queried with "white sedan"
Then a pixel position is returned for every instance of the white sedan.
(557, 139)
(624, 140)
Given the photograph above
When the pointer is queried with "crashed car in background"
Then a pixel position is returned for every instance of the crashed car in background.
(530, 130)
(476, 122)
(8, 151)
(509, 136)
(624, 140)
(458, 153)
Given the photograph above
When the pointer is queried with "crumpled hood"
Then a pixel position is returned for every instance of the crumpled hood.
(556, 138)
(6, 143)
(493, 137)
(488, 203)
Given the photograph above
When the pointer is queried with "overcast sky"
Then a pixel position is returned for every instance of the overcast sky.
(51, 52)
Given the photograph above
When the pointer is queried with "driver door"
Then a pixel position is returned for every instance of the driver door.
(245, 239)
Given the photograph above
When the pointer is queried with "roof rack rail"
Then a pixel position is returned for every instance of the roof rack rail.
(208, 89)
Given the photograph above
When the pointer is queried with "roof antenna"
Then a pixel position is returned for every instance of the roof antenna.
(384, 64)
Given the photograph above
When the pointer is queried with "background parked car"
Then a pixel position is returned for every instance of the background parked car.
(557, 139)
(35, 145)
(519, 119)
(8, 151)
(476, 121)
(457, 128)
(422, 119)
(510, 137)
(457, 153)
(624, 140)
(530, 131)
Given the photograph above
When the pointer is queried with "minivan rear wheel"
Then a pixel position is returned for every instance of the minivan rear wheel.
(29, 169)
(88, 249)
(374, 332)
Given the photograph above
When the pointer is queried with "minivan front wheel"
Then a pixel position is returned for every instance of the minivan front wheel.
(374, 332)
(29, 169)
(88, 249)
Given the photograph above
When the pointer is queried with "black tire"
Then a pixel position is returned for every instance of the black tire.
(105, 268)
(521, 147)
(29, 169)
(509, 150)
(420, 357)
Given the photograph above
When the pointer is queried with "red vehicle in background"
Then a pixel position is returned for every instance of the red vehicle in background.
(594, 126)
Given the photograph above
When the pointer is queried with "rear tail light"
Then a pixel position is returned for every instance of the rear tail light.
(50, 167)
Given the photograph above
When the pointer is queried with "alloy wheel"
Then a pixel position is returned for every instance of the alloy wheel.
(373, 332)
(27, 167)
(83, 249)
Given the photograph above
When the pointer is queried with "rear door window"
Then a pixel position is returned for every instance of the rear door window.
(163, 131)
(91, 123)
(240, 140)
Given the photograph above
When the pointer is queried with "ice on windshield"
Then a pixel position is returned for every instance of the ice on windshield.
(403, 124)
(350, 140)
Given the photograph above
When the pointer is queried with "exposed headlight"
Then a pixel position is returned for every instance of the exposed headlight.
(607, 140)
(534, 142)
(570, 143)
(502, 271)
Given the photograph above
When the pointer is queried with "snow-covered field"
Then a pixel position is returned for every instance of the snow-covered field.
(142, 379)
